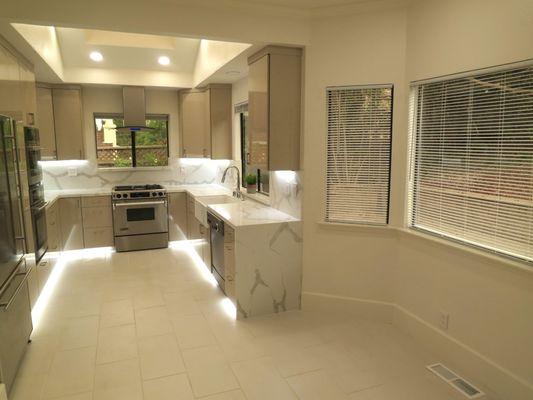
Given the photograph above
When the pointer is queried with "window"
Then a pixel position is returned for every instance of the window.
(472, 166)
(358, 154)
(263, 184)
(117, 149)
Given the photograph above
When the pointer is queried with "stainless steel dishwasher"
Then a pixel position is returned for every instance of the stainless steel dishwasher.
(217, 249)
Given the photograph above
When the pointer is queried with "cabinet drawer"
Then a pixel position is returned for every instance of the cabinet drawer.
(96, 201)
(98, 237)
(97, 217)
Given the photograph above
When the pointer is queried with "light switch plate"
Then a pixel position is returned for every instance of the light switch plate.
(72, 171)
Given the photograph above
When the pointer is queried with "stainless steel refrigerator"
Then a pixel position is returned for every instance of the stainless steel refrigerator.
(15, 312)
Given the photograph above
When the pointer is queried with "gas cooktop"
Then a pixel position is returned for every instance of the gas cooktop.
(138, 191)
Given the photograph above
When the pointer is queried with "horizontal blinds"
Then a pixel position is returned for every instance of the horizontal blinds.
(358, 154)
(472, 172)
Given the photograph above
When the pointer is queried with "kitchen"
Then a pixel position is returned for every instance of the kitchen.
(162, 237)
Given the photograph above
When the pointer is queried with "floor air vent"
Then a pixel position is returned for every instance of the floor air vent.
(450, 377)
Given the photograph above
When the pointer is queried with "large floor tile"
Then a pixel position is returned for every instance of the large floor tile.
(160, 356)
(209, 371)
(79, 332)
(231, 395)
(118, 381)
(260, 380)
(193, 331)
(72, 372)
(116, 344)
(152, 321)
(174, 387)
(115, 313)
(316, 386)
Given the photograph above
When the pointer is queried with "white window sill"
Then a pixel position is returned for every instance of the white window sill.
(259, 197)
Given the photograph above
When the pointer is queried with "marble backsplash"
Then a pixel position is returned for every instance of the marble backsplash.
(285, 186)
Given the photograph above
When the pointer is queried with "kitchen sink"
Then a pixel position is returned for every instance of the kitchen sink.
(201, 203)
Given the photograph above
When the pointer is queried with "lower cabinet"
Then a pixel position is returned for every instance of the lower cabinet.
(97, 221)
(52, 228)
(177, 216)
(206, 245)
(193, 225)
(71, 223)
(229, 261)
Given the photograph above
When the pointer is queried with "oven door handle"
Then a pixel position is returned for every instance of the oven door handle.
(40, 208)
(140, 203)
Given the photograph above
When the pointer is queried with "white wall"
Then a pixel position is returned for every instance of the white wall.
(490, 301)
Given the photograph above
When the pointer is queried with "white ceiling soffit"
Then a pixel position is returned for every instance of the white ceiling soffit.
(128, 58)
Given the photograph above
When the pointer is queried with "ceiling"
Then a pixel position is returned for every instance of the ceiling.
(307, 4)
(62, 55)
(126, 50)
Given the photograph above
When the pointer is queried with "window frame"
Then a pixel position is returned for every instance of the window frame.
(104, 115)
(325, 219)
(413, 116)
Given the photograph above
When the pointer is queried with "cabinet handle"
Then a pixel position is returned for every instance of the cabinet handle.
(248, 158)
(80, 153)
(184, 152)
(205, 153)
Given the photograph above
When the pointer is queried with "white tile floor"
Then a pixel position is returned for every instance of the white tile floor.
(149, 325)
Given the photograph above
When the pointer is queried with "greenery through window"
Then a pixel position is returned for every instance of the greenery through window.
(118, 149)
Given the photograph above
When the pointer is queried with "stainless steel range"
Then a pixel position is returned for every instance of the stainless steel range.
(140, 217)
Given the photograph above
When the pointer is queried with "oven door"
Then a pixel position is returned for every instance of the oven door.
(140, 217)
(33, 156)
(40, 236)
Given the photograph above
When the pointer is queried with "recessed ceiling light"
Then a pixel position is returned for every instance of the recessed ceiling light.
(163, 60)
(96, 56)
(232, 72)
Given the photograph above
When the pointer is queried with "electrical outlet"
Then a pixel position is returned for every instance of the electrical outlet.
(444, 320)
(72, 171)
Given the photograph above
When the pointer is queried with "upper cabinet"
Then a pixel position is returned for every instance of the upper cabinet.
(17, 86)
(205, 122)
(274, 108)
(59, 112)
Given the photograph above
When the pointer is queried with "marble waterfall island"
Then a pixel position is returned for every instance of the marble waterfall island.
(267, 259)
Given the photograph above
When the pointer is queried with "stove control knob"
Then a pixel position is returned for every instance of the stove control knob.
(154, 194)
(160, 193)
(118, 196)
(125, 195)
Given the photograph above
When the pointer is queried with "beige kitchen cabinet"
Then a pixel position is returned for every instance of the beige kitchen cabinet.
(45, 122)
(97, 221)
(68, 126)
(53, 228)
(205, 252)
(177, 215)
(229, 261)
(274, 108)
(71, 223)
(193, 225)
(10, 93)
(205, 122)
(28, 95)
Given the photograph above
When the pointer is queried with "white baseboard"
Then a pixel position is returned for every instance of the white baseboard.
(471, 364)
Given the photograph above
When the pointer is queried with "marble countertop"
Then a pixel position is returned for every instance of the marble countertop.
(241, 213)
(249, 212)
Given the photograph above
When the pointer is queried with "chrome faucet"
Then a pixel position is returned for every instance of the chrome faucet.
(237, 192)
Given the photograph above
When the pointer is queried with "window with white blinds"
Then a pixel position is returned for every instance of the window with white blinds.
(358, 154)
(472, 165)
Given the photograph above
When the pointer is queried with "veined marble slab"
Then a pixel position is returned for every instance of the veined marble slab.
(268, 268)
(249, 212)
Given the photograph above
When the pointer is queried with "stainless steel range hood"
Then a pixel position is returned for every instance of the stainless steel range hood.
(134, 108)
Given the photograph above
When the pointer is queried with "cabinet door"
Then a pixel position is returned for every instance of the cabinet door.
(10, 93)
(258, 111)
(45, 123)
(194, 117)
(28, 95)
(220, 122)
(52, 228)
(71, 223)
(177, 214)
(68, 123)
